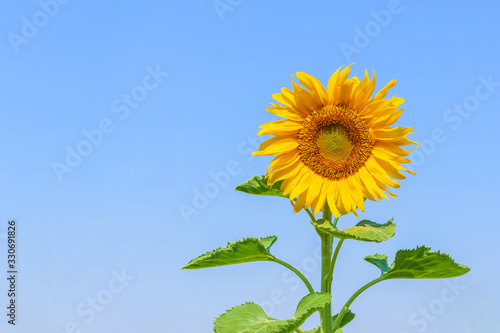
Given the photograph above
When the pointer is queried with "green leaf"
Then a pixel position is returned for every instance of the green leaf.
(418, 263)
(251, 318)
(365, 230)
(246, 250)
(258, 186)
(380, 261)
(348, 317)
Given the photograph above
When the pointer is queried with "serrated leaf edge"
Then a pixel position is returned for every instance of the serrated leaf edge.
(231, 248)
(347, 234)
(292, 325)
(425, 252)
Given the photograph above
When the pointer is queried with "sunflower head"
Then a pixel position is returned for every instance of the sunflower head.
(336, 145)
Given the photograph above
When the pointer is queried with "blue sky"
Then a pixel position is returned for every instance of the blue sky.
(115, 116)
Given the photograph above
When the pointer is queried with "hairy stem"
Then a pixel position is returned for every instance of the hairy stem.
(326, 260)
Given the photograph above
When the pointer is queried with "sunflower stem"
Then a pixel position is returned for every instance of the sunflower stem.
(326, 282)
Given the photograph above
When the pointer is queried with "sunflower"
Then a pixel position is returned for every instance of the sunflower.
(335, 145)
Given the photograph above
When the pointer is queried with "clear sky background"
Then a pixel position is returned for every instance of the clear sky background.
(115, 115)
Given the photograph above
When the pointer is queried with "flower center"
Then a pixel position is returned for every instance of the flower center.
(334, 142)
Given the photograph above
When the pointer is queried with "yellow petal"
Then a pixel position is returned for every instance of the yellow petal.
(391, 148)
(345, 195)
(339, 84)
(284, 160)
(276, 145)
(289, 97)
(283, 127)
(367, 194)
(304, 99)
(300, 203)
(370, 183)
(389, 156)
(380, 174)
(287, 172)
(356, 193)
(332, 83)
(332, 192)
(314, 188)
(290, 183)
(384, 121)
(319, 201)
(381, 94)
(363, 91)
(284, 111)
(314, 86)
(302, 185)
(391, 133)
(391, 169)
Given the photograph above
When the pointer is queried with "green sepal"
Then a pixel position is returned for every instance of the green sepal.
(418, 263)
(365, 230)
(348, 317)
(250, 317)
(246, 250)
(258, 186)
